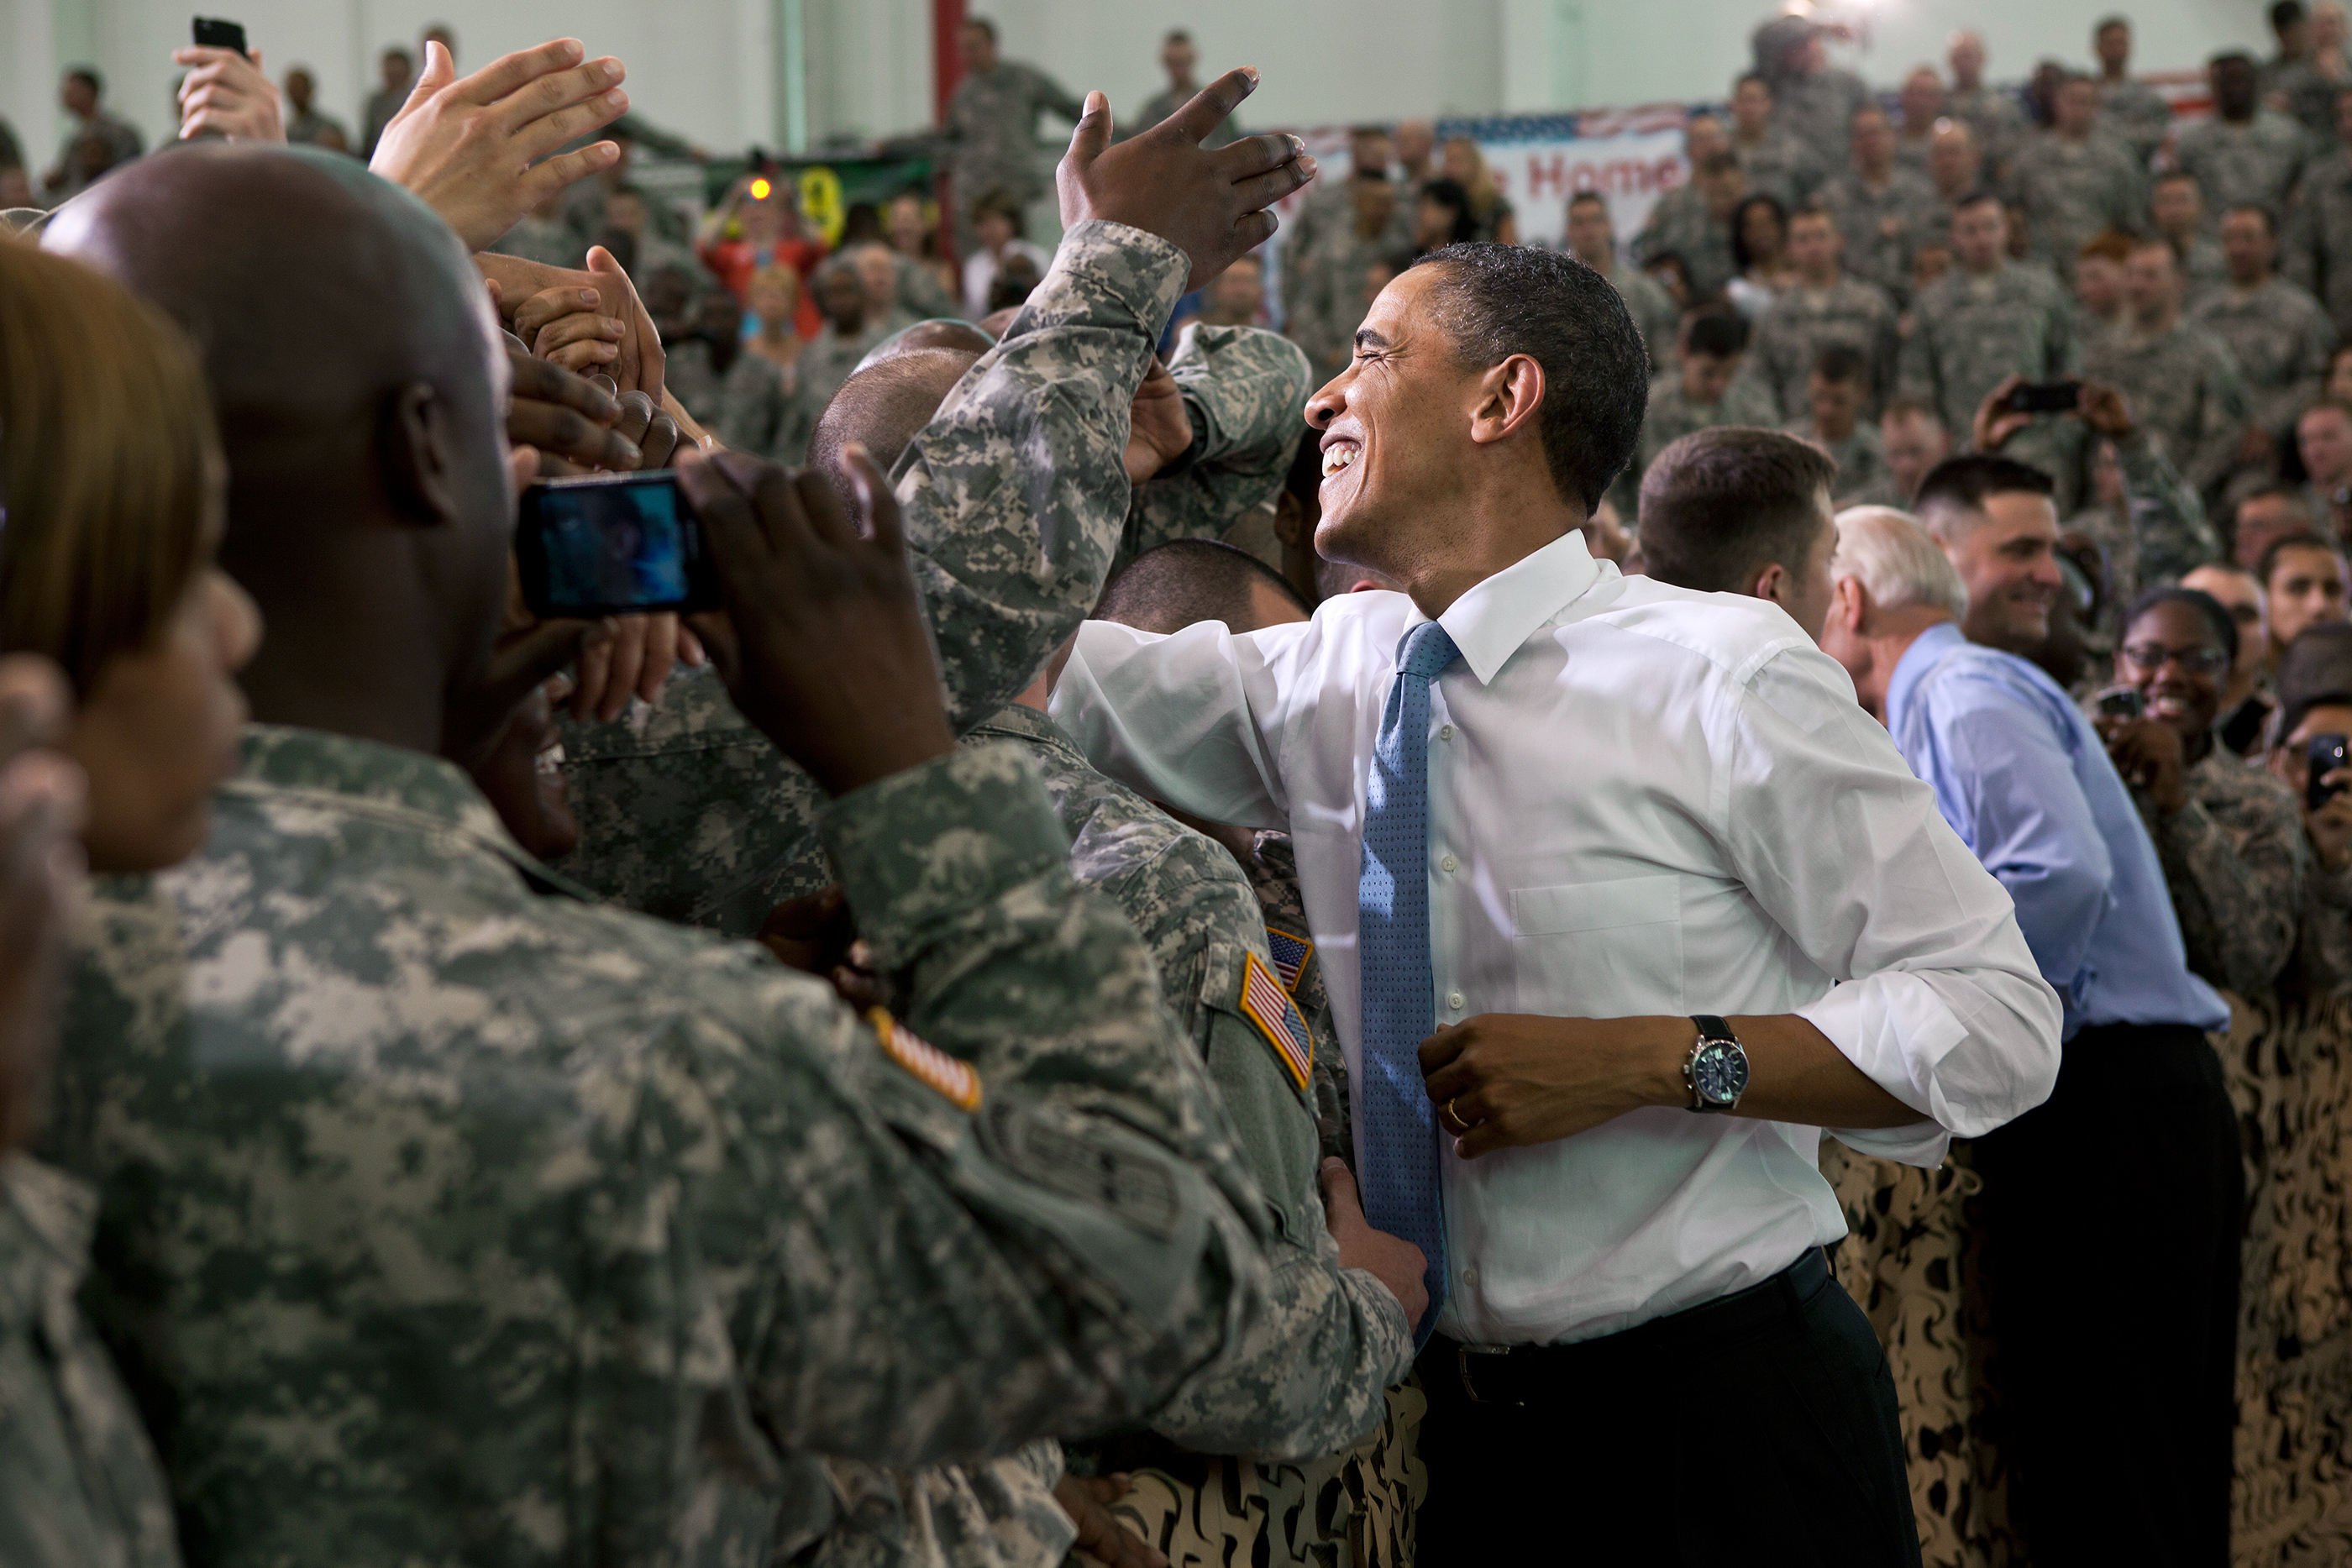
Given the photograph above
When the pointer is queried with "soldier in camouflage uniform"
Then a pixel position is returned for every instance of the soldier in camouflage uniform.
(1774, 163)
(1593, 238)
(2319, 245)
(1835, 390)
(851, 331)
(2177, 210)
(2245, 153)
(2073, 181)
(1244, 393)
(2133, 112)
(2157, 530)
(1705, 390)
(1811, 99)
(1984, 321)
(992, 126)
(737, 396)
(1883, 209)
(1992, 114)
(1693, 222)
(527, 1136)
(1329, 306)
(2275, 331)
(1822, 307)
(2184, 386)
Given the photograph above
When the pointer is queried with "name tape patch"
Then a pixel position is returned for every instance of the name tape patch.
(952, 1079)
(1290, 955)
(1268, 1005)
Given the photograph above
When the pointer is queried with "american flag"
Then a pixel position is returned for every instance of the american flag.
(1290, 955)
(951, 1078)
(1269, 1007)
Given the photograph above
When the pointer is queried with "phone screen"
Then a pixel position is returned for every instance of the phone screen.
(2044, 397)
(2326, 754)
(611, 544)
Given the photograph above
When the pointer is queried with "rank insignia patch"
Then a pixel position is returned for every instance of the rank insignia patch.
(1290, 955)
(1269, 1007)
(952, 1079)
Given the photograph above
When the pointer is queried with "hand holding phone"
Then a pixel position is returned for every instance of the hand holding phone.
(2043, 397)
(2325, 754)
(612, 544)
(215, 33)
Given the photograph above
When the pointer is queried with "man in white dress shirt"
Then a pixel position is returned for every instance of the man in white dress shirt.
(1638, 804)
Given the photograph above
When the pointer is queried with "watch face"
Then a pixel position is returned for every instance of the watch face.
(1720, 1074)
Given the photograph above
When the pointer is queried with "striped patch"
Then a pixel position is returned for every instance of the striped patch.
(1270, 1007)
(954, 1079)
(1290, 955)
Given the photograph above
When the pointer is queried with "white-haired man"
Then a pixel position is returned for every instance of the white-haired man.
(2023, 778)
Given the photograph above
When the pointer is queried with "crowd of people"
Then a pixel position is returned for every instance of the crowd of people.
(1127, 995)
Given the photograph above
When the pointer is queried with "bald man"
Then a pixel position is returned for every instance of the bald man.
(489, 1225)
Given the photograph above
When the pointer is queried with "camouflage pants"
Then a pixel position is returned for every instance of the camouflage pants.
(1352, 1510)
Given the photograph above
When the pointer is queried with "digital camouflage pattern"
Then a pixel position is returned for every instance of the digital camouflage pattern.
(1803, 322)
(2184, 388)
(2279, 338)
(2134, 114)
(2258, 162)
(1681, 226)
(992, 131)
(1653, 310)
(1778, 165)
(831, 357)
(1671, 416)
(80, 1486)
(446, 1218)
(1995, 119)
(1014, 498)
(1884, 225)
(2203, 267)
(998, 1513)
(1864, 478)
(1968, 333)
(1273, 868)
(2234, 858)
(1817, 109)
(1307, 1379)
(1322, 313)
(2162, 534)
(754, 406)
(2073, 190)
(1246, 391)
(2317, 249)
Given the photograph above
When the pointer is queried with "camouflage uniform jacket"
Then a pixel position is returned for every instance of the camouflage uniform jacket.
(1308, 1381)
(2185, 388)
(992, 126)
(1014, 498)
(998, 1513)
(2203, 268)
(1670, 416)
(1273, 868)
(1803, 320)
(447, 1219)
(2072, 190)
(749, 408)
(1680, 225)
(1329, 306)
(2234, 859)
(2318, 249)
(1864, 478)
(1998, 122)
(1653, 312)
(2164, 533)
(2323, 946)
(1245, 392)
(1969, 332)
(1818, 109)
(80, 1486)
(1778, 166)
(2279, 339)
(2136, 115)
(1882, 227)
(2258, 162)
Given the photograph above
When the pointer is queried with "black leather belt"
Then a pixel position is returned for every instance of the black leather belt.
(1539, 1374)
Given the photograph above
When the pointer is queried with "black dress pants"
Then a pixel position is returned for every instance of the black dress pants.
(2112, 1217)
(1759, 1430)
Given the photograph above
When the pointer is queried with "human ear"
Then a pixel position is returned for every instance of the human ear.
(1772, 583)
(1852, 606)
(1509, 395)
(419, 454)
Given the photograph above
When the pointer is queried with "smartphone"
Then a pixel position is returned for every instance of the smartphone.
(212, 33)
(612, 544)
(2042, 397)
(2327, 755)
(2120, 702)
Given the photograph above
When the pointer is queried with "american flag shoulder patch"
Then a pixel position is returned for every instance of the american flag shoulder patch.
(1268, 1005)
(1290, 955)
(953, 1080)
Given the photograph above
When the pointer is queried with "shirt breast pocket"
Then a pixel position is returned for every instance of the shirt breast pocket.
(1600, 949)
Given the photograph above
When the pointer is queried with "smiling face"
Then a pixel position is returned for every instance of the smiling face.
(2007, 557)
(2171, 655)
(1394, 430)
(2305, 589)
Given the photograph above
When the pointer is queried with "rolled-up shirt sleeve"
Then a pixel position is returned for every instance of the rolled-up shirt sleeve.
(1937, 996)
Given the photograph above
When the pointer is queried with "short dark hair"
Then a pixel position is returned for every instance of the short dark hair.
(2286, 14)
(2231, 57)
(1186, 581)
(2218, 619)
(998, 201)
(884, 407)
(2113, 19)
(2315, 671)
(1968, 481)
(1723, 162)
(1718, 334)
(1177, 35)
(1838, 363)
(2178, 176)
(1582, 198)
(2306, 539)
(1497, 300)
(2259, 210)
(1721, 504)
(89, 76)
(1449, 194)
(983, 24)
(1744, 77)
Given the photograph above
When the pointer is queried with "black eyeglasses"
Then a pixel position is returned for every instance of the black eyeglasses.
(2207, 661)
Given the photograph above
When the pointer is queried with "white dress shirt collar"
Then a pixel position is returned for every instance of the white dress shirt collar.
(1496, 616)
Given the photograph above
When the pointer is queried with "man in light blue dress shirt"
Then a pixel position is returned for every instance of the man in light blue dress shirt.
(1621, 900)
(2111, 1212)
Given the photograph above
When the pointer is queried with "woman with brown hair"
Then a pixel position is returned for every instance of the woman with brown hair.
(1490, 215)
(113, 492)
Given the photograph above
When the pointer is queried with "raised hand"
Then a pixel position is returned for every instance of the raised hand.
(226, 94)
(476, 148)
(1212, 204)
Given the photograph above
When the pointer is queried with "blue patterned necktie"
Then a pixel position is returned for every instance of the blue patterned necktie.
(1400, 1003)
